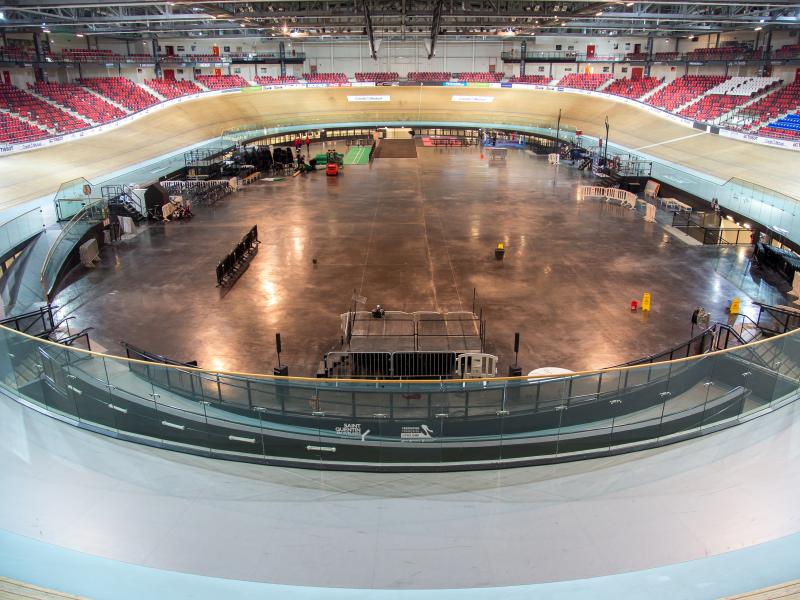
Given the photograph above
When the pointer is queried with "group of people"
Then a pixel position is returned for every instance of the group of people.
(298, 144)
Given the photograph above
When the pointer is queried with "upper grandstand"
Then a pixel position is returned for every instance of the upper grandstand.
(743, 103)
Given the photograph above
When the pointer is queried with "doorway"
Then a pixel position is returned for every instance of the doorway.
(590, 51)
(169, 74)
(636, 73)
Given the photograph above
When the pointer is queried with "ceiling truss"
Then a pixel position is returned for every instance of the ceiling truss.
(394, 19)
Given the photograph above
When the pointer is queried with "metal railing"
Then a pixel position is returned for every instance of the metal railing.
(402, 425)
(80, 224)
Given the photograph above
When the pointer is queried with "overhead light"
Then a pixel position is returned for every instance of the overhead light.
(629, 4)
(758, 28)
(78, 35)
(761, 20)
(2, 15)
(598, 14)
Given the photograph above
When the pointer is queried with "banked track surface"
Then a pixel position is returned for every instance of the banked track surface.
(34, 174)
(150, 507)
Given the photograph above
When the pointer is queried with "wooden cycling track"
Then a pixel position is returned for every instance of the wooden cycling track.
(37, 173)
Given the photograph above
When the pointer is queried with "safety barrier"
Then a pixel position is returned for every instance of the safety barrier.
(401, 425)
(622, 197)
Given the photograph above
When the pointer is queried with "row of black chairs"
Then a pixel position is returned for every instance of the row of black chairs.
(230, 267)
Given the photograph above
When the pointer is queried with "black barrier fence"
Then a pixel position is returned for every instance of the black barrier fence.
(231, 267)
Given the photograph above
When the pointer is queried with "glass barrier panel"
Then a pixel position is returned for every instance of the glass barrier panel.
(132, 400)
(181, 421)
(728, 388)
(639, 412)
(688, 393)
(87, 385)
(234, 391)
(586, 420)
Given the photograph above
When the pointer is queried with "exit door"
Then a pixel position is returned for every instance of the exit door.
(7, 77)
(797, 75)
(170, 50)
(215, 50)
(637, 48)
(636, 73)
(169, 74)
(217, 72)
(590, 51)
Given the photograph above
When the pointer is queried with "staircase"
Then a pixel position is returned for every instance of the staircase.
(656, 89)
(28, 121)
(62, 108)
(150, 90)
(124, 109)
(122, 202)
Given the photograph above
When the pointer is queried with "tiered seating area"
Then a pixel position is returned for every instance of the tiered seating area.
(122, 91)
(584, 81)
(80, 100)
(377, 77)
(788, 51)
(722, 54)
(636, 56)
(786, 127)
(145, 58)
(171, 88)
(85, 55)
(745, 86)
(428, 76)
(270, 80)
(683, 89)
(15, 131)
(14, 53)
(532, 79)
(482, 77)
(726, 96)
(222, 82)
(325, 77)
(665, 56)
(34, 109)
(779, 102)
(633, 88)
(712, 106)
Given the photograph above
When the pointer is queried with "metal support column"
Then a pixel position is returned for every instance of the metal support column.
(282, 54)
(523, 53)
(39, 73)
(156, 58)
(649, 53)
(765, 69)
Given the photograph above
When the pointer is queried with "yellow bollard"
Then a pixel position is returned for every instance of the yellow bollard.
(734, 309)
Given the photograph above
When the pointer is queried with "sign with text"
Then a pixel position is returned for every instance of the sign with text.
(369, 98)
(483, 99)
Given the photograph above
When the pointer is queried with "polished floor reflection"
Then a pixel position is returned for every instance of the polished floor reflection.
(411, 234)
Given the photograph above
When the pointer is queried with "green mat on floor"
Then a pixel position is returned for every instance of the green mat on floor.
(357, 155)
